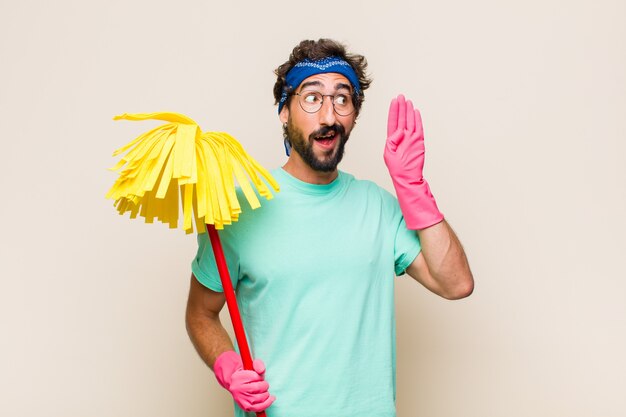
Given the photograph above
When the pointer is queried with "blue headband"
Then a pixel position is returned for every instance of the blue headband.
(305, 68)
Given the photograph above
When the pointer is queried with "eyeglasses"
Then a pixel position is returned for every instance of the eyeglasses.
(312, 101)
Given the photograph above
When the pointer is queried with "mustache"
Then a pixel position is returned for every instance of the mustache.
(324, 130)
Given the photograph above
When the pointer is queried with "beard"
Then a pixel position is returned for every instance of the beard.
(304, 147)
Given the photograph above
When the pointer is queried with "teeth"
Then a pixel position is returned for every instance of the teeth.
(329, 136)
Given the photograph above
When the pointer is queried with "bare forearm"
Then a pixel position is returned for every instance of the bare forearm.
(208, 336)
(203, 322)
(447, 270)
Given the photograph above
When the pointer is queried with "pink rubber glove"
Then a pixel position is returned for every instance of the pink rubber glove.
(404, 157)
(248, 388)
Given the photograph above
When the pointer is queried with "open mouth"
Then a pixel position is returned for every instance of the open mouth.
(327, 139)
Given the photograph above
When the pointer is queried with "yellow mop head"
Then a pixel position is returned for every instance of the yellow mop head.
(203, 165)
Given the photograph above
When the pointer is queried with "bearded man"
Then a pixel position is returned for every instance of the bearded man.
(314, 268)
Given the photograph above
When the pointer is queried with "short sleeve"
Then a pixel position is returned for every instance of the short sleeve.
(406, 243)
(204, 267)
(406, 247)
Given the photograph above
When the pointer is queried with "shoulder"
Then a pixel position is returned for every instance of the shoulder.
(368, 187)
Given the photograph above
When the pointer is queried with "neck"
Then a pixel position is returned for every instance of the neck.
(297, 168)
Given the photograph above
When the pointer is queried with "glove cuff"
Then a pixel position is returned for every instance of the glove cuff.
(418, 206)
(225, 365)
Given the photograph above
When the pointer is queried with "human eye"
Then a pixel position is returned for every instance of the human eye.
(342, 99)
(311, 97)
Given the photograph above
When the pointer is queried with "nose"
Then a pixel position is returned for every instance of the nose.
(327, 112)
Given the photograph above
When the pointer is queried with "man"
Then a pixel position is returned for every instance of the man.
(313, 268)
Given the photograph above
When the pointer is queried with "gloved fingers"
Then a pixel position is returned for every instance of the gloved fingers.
(244, 377)
(410, 117)
(252, 396)
(255, 388)
(248, 401)
(256, 406)
(394, 140)
(417, 137)
(419, 127)
(401, 113)
(395, 136)
(258, 366)
(392, 117)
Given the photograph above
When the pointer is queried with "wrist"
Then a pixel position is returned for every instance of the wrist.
(225, 365)
(418, 205)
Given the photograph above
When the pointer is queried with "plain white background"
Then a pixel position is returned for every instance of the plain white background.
(524, 108)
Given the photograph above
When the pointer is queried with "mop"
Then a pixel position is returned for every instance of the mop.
(178, 158)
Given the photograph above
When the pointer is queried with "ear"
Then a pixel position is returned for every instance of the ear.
(284, 115)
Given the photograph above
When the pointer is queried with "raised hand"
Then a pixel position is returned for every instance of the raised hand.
(404, 157)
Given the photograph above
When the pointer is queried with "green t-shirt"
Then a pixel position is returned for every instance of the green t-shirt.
(313, 270)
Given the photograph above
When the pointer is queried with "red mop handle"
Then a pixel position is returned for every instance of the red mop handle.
(231, 301)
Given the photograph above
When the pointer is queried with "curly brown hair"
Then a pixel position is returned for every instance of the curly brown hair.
(316, 50)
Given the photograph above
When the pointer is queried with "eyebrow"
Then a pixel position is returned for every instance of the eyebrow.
(310, 84)
(339, 86)
(316, 83)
